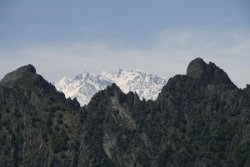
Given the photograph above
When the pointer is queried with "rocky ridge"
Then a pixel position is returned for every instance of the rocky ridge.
(199, 119)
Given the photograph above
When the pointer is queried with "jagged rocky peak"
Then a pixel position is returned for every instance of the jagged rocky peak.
(209, 73)
(199, 74)
(111, 91)
(10, 78)
(114, 89)
(116, 92)
(27, 68)
(196, 68)
(26, 77)
(133, 98)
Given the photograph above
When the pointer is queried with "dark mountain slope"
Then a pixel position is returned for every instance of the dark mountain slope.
(205, 117)
(200, 119)
(38, 125)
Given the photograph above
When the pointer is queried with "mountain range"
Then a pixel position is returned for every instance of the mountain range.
(199, 119)
(84, 86)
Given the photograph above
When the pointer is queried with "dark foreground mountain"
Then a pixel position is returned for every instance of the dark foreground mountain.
(200, 119)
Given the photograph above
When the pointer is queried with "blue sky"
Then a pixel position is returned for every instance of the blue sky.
(157, 36)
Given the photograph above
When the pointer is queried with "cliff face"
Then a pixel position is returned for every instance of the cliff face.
(199, 119)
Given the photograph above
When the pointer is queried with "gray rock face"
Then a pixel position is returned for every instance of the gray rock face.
(14, 76)
(27, 68)
(196, 68)
(208, 73)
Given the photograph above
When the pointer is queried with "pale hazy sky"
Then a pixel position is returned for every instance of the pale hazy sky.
(64, 38)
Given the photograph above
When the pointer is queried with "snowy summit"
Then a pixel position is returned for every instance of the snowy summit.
(84, 86)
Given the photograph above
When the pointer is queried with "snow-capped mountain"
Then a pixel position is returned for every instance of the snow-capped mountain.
(85, 85)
